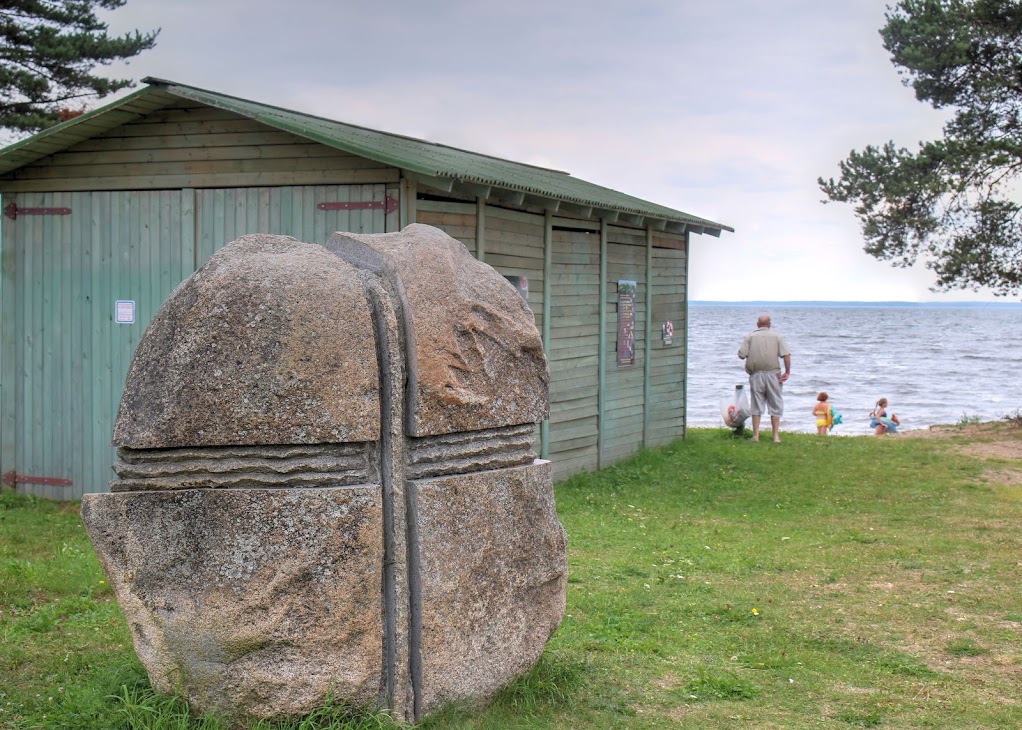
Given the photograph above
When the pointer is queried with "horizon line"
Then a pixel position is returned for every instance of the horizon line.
(863, 302)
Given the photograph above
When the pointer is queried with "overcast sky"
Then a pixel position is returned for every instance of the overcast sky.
(727, 110)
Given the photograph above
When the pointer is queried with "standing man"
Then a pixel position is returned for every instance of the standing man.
(761, 351)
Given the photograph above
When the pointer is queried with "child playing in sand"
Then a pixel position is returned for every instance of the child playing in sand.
(822, 412)
(882, 422)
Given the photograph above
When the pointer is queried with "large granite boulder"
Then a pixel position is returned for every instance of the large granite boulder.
(246, 351)
(326, 484)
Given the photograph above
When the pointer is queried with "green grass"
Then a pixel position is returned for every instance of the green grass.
(715, 583)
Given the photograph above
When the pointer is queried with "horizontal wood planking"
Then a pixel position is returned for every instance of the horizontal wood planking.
(451, 207)
(574, 402)
(567, 466)
(623, 401)
(514, 246)
(572, 375)
(174, 149)
(177, 182)
(667, 372)
(455, 225)
(266, 138)
(298, 150)
(661, 240)
(200, 167)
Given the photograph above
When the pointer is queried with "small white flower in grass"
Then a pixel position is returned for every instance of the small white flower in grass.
(645, 585)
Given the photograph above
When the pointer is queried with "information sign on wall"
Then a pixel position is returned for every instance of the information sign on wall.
(124, 311)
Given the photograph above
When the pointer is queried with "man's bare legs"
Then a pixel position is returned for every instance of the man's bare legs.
(775, 428)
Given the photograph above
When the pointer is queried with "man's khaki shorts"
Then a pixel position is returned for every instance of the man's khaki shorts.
(765, 393)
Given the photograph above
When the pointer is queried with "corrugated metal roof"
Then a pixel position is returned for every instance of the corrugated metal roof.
(406, 153)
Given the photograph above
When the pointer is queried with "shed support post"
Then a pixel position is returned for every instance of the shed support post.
(647, 360)
(481, 228)
(8, 323)
(601, 377)
(548, 259)
(684, 324)
(408, 192)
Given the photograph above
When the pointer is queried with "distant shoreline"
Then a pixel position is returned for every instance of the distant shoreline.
(815, 303)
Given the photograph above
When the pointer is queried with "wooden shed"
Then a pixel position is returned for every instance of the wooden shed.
(105, 214)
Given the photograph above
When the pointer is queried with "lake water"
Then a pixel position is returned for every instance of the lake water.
(935, 364)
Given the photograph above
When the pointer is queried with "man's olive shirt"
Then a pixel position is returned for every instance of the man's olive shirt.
(762, 349)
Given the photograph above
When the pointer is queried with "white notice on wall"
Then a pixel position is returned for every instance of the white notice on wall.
(124, 311)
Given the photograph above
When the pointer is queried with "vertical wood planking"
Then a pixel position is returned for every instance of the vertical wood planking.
(64, 357)
(34, 407)
(63, 454)
(8, 333)
(316, 226)
(481, 228)
(99, 275)
(49, 268)
(220, 230)
(90, 294)
(71, 369)
(79, 320)
(23, 312)
(408, 201)
(285, 196)
(392, 220)
(190, 235)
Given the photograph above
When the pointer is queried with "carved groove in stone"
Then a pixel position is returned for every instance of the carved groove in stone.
(463, 453)
(322, 465)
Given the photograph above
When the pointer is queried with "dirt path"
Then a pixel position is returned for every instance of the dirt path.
(998, 443)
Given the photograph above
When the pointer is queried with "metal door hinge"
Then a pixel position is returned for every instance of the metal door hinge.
(13, 478)
(12, 211)
(389, 205)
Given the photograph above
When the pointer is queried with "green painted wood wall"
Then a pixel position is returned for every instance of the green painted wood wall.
(202, 177)
(63, 357)
(574, 353)
(582, 434)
